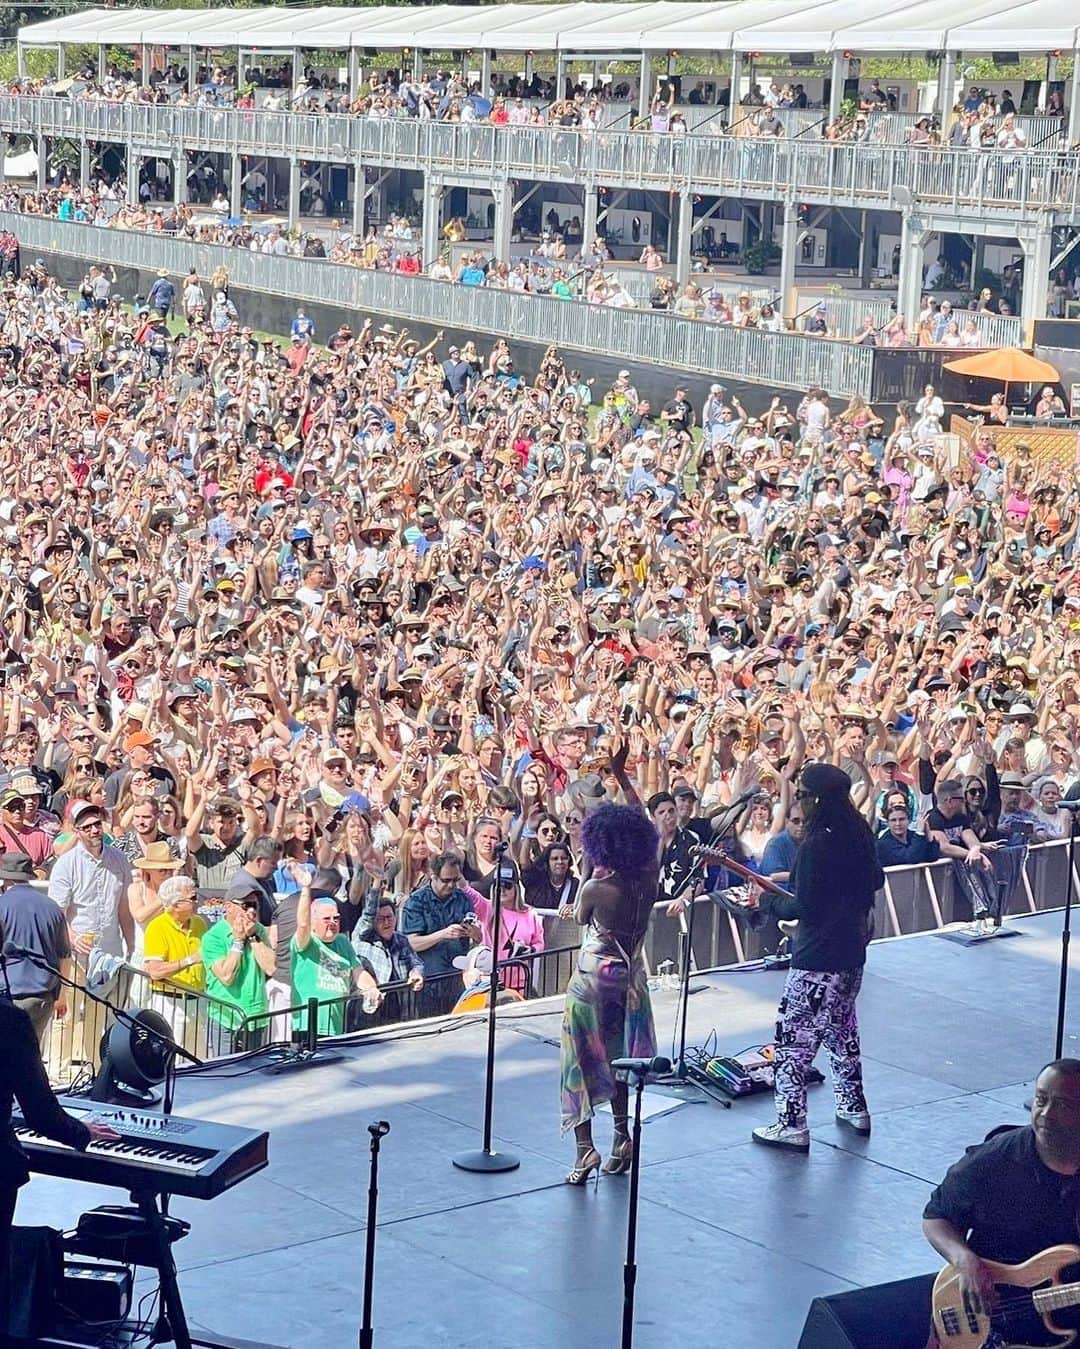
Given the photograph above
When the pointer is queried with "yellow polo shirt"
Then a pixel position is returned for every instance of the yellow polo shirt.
(166, 940)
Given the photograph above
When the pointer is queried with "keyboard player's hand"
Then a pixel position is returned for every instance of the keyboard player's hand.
(102, 1133)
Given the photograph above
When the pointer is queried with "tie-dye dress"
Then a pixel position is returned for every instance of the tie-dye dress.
(607, 1016)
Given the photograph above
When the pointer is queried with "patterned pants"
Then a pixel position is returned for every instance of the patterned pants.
(817, 1009)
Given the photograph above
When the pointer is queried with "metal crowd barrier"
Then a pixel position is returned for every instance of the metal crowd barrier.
(211, 1030)
(787, 360)
(1013, 185)
(914, 899)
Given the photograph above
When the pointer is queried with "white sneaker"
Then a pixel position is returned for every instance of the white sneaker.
(858, 1121)
(782, 1136)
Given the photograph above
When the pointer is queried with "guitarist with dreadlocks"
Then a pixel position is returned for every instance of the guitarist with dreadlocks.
(833, 882)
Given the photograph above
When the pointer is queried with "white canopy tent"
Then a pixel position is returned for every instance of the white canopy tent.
(925, 28)
(1048, 25)
(632, 27)
(812, 29)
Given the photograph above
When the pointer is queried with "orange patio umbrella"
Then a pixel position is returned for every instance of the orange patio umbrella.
(1008, 364)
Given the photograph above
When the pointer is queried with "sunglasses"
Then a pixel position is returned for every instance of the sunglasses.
(251, 905)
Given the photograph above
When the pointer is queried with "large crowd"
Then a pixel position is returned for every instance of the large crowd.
(306, 628)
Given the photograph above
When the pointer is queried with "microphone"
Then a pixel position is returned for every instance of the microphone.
(744, 799)
(1069, 805)
(643, 1067)
(13, 952)
(379, 1129)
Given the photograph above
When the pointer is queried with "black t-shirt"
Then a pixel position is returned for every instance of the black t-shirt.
(1007, 1199)
(834, 884)
(676, 860)
(680, 414)
(952, 828)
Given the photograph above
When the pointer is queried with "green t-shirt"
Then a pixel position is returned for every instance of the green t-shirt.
(323, 970)
(247, 992)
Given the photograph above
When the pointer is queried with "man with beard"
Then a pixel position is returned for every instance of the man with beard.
(1014, 1195)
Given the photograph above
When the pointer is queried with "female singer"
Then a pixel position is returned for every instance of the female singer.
(608, 1014)
(835, 877)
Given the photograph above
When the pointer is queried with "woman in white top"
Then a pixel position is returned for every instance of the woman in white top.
(929, 411)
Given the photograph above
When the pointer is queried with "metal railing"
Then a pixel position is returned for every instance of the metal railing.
(1013, 185)
(845, 313)
(786, 360)
(913, 899)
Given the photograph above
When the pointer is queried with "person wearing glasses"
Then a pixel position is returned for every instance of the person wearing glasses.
(238, 959)
(833, 883)
(441, 923)
(324, 965)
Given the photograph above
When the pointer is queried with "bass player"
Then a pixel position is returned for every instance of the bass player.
(1016, 1194)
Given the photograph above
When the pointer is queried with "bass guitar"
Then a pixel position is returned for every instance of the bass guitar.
(1030, 1309)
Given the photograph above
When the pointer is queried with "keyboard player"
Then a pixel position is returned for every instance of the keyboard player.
(22, 1078)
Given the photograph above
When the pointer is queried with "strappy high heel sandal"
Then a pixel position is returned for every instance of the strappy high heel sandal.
(586, 1164)
(622, 1152)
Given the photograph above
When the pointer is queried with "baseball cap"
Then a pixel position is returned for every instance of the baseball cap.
(137, 738)
(83, 811)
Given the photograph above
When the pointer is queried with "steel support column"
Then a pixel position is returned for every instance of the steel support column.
(1038, 250)
(683, 238)
(504, 219)
(913, 237)
(836, 88)
(789, 247)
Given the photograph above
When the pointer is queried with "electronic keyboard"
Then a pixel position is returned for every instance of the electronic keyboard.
(164, 1154)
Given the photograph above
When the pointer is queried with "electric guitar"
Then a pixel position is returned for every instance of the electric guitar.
(1027, 1311)
(718, 858)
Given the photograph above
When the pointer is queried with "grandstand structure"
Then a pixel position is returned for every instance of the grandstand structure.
(875, 206)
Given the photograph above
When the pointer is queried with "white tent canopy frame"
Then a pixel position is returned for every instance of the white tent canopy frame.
(634, 29)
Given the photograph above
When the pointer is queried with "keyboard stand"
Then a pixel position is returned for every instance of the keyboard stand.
(172, 1326)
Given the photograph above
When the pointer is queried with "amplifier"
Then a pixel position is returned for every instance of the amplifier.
(95, 1292)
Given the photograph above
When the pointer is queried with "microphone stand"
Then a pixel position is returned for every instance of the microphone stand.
(679, 1073)
(378, 1131)
(486, 1159)
(1066, 935)
(638, 1075)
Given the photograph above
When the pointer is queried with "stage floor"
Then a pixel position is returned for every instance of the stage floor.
(734, 1240)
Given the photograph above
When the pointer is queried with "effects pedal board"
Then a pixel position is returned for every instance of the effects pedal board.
(744, 1074)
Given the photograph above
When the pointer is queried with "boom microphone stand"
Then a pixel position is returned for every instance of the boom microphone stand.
(166, 1043)
(378, 1132)
(728, 820)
